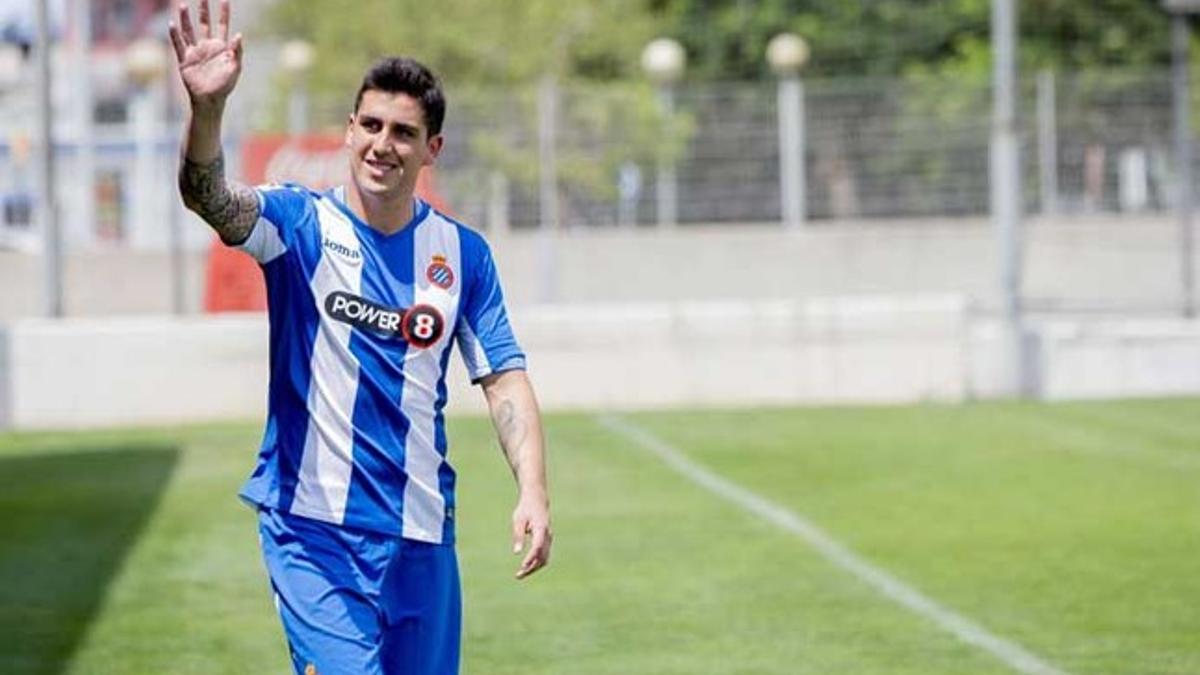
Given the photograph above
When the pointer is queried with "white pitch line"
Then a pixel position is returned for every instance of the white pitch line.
(1012, 654)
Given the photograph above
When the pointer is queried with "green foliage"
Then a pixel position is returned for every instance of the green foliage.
(493, 43)
(727, 38)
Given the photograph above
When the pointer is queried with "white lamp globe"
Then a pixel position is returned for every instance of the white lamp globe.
(145, 61)
(787, 53)
(296, 56)
(664, 60)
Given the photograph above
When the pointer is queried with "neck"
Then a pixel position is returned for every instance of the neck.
(385, 215)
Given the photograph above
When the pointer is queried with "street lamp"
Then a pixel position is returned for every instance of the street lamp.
(787, 53)
(146, 66)
(296, 59)
(664, 62)
(1181, 94)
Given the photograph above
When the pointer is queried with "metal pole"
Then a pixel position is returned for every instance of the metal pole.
(1047, 140)
(791, 150)
(1183, 148)
(547, 153)
(1006, 185)
(666, 191)
(85, 218)
(174, 217)
(297, 117)
(47, 199)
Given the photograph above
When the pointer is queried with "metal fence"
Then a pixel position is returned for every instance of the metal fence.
(577, 156)
(872, 148)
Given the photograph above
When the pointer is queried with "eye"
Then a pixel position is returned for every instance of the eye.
(370, 124)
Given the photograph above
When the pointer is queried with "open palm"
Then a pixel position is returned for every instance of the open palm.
(209, 62)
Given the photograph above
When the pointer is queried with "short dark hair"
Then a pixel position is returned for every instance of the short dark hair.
(403, 75)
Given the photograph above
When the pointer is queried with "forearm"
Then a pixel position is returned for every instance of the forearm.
(231, 209)
(518, 424)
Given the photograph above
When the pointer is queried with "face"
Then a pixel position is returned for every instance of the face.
(389, 143)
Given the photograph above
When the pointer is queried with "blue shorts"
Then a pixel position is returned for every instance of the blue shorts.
(355, 602)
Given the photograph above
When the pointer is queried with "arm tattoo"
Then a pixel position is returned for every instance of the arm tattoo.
(511, 431)
(230, 208)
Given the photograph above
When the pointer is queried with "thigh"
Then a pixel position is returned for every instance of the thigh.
(331, 619)
(422, 611)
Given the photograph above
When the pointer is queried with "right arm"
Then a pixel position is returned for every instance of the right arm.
(209, 65)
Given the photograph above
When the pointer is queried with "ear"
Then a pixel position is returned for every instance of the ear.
(434, 145)
(349, 128)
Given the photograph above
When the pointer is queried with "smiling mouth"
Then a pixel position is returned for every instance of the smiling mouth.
(380, 167)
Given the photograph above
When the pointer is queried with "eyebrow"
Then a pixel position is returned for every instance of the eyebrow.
(366, 117)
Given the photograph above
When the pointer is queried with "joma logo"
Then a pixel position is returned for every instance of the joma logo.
(342, 249)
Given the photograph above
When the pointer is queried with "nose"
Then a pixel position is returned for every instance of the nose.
(379, 144)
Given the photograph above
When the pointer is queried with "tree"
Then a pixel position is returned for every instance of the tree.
(495, 43)
(727, 38)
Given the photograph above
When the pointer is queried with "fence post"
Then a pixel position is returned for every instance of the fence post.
(547, 111)
(548, 189)
(1047, 119)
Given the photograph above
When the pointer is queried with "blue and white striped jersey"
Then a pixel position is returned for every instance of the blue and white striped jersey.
(361, 324)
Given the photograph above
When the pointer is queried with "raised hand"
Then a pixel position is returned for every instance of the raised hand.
(209, 62)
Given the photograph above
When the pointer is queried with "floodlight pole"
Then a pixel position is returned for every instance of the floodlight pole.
(1006, 189)
(47, 199)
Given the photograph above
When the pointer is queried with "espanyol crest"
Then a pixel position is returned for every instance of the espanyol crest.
(439, 273)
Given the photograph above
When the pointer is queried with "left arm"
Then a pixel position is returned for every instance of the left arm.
(518, 423)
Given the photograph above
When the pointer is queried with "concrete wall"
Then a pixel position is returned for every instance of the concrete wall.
(1106, 261)
(887, 349)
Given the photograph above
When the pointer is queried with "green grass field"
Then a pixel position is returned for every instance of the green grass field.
(1072, 530)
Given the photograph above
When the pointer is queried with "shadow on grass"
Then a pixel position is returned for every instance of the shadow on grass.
(66, 523)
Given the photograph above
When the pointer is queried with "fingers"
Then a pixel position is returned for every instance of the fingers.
(185, 24)
(237, 47)
(538, 555)
(519, 526)
(223, 22)
(176, 41)
(205, 20)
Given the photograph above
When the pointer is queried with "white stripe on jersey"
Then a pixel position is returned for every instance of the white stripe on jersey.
(264, 243)
(473, 353)
(326, 465)
(424, 506)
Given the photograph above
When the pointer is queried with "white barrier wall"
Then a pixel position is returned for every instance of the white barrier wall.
(93, 373)
(1120, 261)
(1102, 359)
(86, 373)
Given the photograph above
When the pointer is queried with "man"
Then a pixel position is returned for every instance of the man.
(366, 288)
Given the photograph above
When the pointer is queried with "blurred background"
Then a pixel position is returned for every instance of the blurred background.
(692, 202)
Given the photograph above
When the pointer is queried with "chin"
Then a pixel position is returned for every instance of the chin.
(376, 189)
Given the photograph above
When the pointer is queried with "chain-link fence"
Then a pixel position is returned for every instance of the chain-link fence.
(873, 148)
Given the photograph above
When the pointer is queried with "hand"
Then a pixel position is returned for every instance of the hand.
(531, 521)
(209, 63)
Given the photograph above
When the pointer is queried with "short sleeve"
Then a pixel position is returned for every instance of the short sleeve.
(280, 208)
(484, 334)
